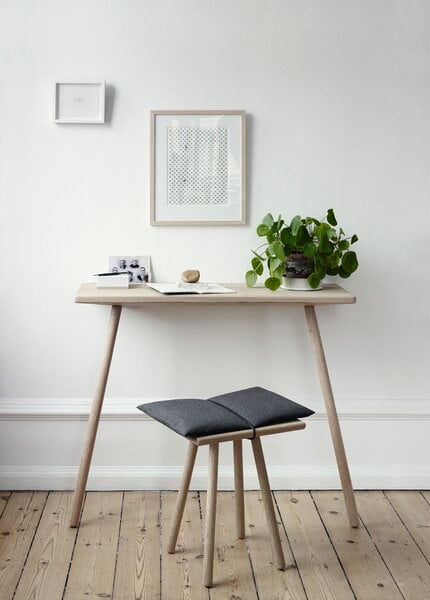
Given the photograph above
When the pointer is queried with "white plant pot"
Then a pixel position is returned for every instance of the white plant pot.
(298, 284)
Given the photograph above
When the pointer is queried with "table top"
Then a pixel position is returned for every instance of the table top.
(88, 293)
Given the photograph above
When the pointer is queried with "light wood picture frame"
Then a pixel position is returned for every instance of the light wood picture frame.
(81, 102)
(198, 174)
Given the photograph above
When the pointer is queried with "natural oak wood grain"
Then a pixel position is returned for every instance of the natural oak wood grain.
(320, 570)
(413, 511)
(93, 421)
(210, 515)
(144, 296)
(88, 293)
(397, 547)
(270, 581)
(245, 434)
(361, 561)
(93, 564)
(209, 535)
(181, 497)
(268, 503)
(47, 565)
(238, 488)
(243, 568)
(138, 565)
(4, 497)
(426, 495)
(182, 572)
(333, 421)
(18, 525)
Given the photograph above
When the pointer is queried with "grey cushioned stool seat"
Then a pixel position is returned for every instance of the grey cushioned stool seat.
(250, 408)
(244, 414)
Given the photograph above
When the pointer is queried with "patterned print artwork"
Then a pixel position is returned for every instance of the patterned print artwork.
(197, 165)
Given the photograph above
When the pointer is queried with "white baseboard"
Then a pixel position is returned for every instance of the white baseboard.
(124, 409)
(286, 477)
(387, 443)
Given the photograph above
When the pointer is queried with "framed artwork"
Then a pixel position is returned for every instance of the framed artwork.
(198, 167)
(79, 102)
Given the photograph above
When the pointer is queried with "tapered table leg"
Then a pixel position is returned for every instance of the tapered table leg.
(94, 417)
(333, 420)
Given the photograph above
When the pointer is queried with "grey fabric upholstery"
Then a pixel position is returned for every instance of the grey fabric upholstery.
(192, 417)
(261, 407)
(244, 409)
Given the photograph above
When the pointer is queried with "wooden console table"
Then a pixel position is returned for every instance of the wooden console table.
(139, 297)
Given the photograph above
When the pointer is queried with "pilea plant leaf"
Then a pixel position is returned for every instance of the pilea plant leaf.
(268, 220)
(272, 283)
(257, 265)
(325, 246)
(295, 224)
(309, 249)
(287, 238)
(322, 259)
(278, 250)
(274, 264)
(333, 259)
(302, 236)
(251, 278)
(331, 218)
(320, 269)
(314, 280)
(263, 230)
(350, 262)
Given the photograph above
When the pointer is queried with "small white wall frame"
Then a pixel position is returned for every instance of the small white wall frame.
(198, 167)
(79, 101)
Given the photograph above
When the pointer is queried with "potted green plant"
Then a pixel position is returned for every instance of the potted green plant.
(299, 254)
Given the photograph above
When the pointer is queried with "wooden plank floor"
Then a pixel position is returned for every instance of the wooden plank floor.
(118, 552)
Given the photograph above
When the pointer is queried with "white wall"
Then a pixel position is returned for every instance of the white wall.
(337, 94)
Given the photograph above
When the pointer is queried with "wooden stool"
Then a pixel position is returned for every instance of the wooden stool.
(246, 414)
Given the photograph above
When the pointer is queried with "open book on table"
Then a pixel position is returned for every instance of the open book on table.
(190, 288)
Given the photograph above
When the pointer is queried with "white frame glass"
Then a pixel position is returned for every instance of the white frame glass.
(79, 102)
(217, 158)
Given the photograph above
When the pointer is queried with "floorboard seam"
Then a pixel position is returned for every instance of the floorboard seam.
(406, 527)
(383, 559)
(332, 545)
(31, 545)
(73, 551)
(117, 544)
(289, 543)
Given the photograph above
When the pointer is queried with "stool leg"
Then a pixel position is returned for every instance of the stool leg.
(238, 489)
(208, 558)
(268, 502)
(182, 497)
